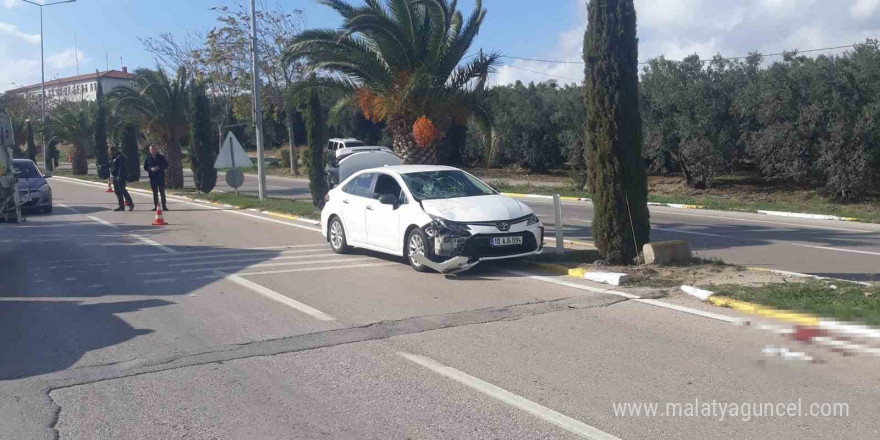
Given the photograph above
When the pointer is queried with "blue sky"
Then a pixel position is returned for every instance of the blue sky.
(527, 28)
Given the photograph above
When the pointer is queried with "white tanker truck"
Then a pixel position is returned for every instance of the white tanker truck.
(10, 210)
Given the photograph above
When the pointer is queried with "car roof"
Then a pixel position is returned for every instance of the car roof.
(23, 161)
(407, 169)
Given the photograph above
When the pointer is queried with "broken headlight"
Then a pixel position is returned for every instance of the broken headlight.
(447, 236)
(440, 226)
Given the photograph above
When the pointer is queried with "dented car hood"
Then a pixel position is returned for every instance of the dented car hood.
(476, 209)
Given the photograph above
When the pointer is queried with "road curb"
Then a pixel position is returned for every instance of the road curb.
(686, 206)
(574, 242)
(767, 312)
(805, 275)
(577, 272)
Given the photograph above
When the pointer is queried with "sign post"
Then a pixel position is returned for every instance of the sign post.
(232, 157)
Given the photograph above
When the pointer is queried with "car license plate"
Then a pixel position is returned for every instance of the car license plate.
(506, 241)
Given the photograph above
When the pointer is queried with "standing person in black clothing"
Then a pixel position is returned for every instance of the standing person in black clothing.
(155, 165)
(120, 175)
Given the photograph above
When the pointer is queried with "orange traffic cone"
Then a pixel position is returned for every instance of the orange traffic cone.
(109, 186)
(159, 221)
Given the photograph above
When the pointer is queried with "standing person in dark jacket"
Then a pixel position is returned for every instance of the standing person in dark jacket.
(155, 165)
(120, 175)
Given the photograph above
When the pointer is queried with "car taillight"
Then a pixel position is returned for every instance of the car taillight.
(327, 198)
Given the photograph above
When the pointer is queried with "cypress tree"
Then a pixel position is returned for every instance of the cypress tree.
(613, 143)
(31, 149)
(130, 150)
(315, 131)
(101, 133)
(201, 141)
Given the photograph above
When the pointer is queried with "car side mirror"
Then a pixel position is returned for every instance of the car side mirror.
(388, 199)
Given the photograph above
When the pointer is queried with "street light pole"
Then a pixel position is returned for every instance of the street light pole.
(47, 164)
(258, 105)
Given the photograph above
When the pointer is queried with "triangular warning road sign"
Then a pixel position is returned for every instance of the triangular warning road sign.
(232, 151)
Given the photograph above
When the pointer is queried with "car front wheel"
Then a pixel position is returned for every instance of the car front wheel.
(336, 233)
(417, 244)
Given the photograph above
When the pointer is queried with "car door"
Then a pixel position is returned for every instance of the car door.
(357, 193)
(383, 221)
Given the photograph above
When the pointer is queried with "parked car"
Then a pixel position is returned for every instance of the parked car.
(344, 164)
(34, 192)
(436, 217)
(337, 143)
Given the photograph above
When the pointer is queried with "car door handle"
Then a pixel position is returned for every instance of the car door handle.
(369, 207)
(345, 201)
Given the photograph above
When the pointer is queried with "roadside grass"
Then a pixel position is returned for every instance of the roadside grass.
(848, 302)
(298, 208)
(731, 193)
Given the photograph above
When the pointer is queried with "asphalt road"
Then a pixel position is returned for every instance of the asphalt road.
(825, 248)
(818, 247)
(228, 324)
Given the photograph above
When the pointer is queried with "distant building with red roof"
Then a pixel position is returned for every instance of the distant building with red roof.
(76, 88)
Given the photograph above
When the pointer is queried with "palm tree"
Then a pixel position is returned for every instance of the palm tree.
(159, 103)
(401, 63)
(74, 124)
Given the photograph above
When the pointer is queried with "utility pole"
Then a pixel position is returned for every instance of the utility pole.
(258, 106)
(47, 164)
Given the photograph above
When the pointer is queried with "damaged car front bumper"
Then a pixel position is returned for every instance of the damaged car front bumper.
(457, 247)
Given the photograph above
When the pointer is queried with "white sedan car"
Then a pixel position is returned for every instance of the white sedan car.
(436, 217)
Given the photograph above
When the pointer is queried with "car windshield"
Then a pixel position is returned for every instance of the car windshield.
(354, 144)
(447, 184)
(25, 170)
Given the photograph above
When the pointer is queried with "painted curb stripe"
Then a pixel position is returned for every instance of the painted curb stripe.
(755, 309)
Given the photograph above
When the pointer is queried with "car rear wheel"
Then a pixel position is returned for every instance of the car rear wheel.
(336, 235)
(417, 244)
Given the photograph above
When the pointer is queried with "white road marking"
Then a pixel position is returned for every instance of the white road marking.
(324, 254)
(561, 420)
(800, 225)
(826, 248)
(253, 254)
(313, 269)
(74, 210)
(153, 243)
(102, 221)
(666, 305)
(158, 281)
(661, 210)
(233, 250)
(653, 302)
(297, 263)
(679, 231)
(275, 296)
(154, 274)
(275, 221)
(570, 284)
